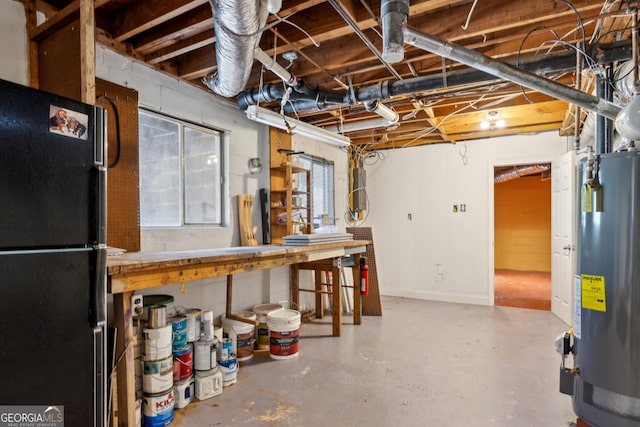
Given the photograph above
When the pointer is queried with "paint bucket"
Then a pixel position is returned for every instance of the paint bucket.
(284, 327)
(178, 332)
(193, 323)
(242, 334)
(204, 354)
(261, 312)
(184, 391)
(207, 325)
(157, 316)
(225, 349)
(208, 383)
(183, 363)
(149, 301)
(157, 343)
(158, 375)
(158, 409)
(229, 369)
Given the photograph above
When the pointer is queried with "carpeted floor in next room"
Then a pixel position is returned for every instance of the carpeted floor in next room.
(523, 289)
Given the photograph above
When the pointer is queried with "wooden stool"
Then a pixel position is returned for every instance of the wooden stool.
(334, 266)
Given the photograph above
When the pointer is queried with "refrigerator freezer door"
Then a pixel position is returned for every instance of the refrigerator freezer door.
(50, 354)
(49, 185)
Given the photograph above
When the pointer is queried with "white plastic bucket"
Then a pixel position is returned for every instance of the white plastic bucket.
(183, 392)
(208, 383)
(243, 335)
(261, 312)
(284, 328)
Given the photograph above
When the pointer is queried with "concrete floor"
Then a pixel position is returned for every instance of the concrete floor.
(422, 363)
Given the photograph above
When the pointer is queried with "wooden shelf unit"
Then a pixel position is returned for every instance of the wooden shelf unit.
(285, 180)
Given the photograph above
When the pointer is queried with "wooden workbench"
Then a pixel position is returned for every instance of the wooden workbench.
(132, 272)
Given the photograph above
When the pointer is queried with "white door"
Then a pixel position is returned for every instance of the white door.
(562, 236)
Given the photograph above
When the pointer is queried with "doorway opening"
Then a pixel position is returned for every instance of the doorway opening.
(522, 236)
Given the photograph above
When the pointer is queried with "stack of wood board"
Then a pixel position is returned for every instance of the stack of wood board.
(315, 239)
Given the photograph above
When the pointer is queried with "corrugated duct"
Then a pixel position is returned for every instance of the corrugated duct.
(519, 171)
(238, 26)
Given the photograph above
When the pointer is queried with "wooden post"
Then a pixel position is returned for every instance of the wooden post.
(336, 308)
(229, 293)
(125, 368)
(88, 51)
(32, 25)
(317, 273)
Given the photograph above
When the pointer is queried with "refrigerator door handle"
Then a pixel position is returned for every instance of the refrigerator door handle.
(99, 377)
(99, 295)
(100, 144)
(99, 160)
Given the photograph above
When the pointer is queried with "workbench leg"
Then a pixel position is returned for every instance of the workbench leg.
(336, 308)
(229, 294)
(294, 278)
(357, 297)
(126, 368)
(319, 305)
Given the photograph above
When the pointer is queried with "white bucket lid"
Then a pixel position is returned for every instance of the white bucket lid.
(237, 325)
(265, 309)
(284, 316)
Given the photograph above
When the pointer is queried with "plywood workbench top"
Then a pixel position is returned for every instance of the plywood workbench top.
(226, 260)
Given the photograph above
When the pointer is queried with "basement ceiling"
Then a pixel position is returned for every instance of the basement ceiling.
(317, 44)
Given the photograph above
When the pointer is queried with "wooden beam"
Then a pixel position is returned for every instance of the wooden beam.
(183, 47)
(124, 353)
(88, 51)
(141, 16)
(32, 25)
(59, 20)
(175, 30)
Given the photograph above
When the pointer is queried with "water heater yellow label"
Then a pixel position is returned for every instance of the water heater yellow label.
(586, 198)
(593, 295)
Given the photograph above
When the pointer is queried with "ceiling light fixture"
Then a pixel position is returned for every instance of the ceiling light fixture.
(492, 121)
(294, 126)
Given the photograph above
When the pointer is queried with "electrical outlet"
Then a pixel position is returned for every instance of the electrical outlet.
(463, 208)
(136, 305)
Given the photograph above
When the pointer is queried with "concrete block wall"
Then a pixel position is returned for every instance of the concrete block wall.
(243, 140)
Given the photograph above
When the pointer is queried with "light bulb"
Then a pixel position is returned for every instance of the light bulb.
(501, 123)
(484, 124)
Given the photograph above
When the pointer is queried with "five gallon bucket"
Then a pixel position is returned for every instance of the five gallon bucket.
(242, 334)
(284, 327)
(261, 312)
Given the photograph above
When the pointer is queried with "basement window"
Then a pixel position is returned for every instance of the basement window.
(181, 172)
(322, 192)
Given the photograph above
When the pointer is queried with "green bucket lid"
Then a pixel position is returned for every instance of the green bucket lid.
(148, 300)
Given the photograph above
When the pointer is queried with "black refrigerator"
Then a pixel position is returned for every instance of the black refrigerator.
(52, 260)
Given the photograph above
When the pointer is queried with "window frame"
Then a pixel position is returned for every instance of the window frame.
(324, 162)
(223, 190)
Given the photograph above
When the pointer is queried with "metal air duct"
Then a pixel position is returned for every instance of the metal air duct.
(499, 69)
(238, 27)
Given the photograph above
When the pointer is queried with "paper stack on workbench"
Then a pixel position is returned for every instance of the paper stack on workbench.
(316, 239)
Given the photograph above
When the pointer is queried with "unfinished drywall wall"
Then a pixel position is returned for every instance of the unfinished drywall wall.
(13, 43)
(423, 248)
(522, 226)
